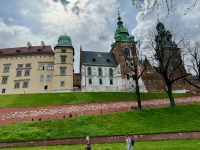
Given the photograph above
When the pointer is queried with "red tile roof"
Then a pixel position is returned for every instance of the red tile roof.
(25, 51)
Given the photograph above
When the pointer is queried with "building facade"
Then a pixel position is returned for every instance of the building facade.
(37, 69)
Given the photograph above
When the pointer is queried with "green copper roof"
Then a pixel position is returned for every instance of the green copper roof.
(64, 40)
(121, 30)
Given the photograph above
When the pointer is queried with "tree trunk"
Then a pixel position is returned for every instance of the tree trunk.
(138, 95)
(171, 98)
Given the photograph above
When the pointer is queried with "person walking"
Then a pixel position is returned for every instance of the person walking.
(128, 143)
(87, 143)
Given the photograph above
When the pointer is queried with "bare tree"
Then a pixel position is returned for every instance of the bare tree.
(193, 62)
(136, 68)
(168, 59)
(148, 6)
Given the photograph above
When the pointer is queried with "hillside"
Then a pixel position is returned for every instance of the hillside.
(181, 118)
(52, 99)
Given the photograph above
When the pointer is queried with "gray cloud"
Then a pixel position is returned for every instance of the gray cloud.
(76, 8)
(63, 2)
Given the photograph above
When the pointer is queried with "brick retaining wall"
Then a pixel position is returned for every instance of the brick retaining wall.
(105, 139)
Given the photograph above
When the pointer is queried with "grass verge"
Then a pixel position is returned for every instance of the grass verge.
(189, 144)
(50, 99)
(168, 119)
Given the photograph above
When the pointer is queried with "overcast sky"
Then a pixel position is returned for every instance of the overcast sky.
(89, 23)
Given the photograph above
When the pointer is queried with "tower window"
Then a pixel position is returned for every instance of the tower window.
(62, 71)
(127, 52)
(63, 51)
(63, 60)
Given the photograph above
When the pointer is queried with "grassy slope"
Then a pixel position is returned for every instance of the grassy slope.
(145, 145)
(49, 99)
(181, 118)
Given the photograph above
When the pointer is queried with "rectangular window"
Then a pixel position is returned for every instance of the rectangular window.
(154, 81)
(50, 67)
(111, 81)
(63, 51)
(48, 77)
(100, 81)
(46, 87)
(27, 73)
(17, 84)
(25, 84)
(28, 65)
(41, 66)
(149, 81)
(3, 91)
(62, 83)
(63, 60)
(19, 73)
(90, 81)
(62, 71)
(6, 68)
(20, 65)
(4, 80)
(41, 78)
(127, 76)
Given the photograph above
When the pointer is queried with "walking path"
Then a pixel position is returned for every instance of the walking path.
(105, 139)
(10, 115)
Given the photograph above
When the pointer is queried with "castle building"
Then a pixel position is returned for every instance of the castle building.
(37, 69)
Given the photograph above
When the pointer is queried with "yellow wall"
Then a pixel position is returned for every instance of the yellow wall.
(34, 84)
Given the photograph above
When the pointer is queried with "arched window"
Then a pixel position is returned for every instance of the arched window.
(89, 71)
(126, 63)
(100, 71)
(131, 63)
(127, 52)
(111, 72)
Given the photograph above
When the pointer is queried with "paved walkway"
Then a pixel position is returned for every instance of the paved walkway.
(105, 139)
(10, 115)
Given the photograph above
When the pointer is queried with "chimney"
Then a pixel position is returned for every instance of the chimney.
(42, 44)
(28, 44)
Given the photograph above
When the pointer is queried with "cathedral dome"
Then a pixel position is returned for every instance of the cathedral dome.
(64, 40)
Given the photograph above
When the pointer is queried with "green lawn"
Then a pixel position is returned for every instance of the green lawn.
(181, 118)
(190, 144)
(49, 99)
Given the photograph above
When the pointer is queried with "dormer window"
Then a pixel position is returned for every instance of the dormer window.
(39, 50)
(108, 60)
(94, 59)
(18, 51)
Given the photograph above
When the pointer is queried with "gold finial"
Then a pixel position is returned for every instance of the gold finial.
(118, 13)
